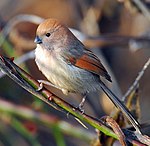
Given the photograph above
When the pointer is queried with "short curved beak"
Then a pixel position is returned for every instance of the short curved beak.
(38, 40)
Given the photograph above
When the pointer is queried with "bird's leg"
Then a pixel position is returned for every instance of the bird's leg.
(82, 103)
(43, 82)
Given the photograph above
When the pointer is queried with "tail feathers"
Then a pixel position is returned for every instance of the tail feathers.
(107, 76)
(118, 103)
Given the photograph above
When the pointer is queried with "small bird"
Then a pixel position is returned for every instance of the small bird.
(69, 66)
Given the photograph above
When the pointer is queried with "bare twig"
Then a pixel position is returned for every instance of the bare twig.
(21, 59)
(132, 88)
(134, 85)
(143, 8)
(144, 139)
(112, 123)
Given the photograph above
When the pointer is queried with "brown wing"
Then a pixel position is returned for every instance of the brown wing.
(90, 62)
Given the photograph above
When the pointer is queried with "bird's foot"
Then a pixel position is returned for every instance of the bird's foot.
(43, 82)
(40, 87)
(80, 108)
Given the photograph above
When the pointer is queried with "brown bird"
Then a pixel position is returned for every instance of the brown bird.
(69, 66)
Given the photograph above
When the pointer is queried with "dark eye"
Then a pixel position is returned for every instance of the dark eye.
(48, 34)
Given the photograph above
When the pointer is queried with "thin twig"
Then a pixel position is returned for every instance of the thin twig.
(22, 59)
(135, 83)
(113, 124)
(143, 8)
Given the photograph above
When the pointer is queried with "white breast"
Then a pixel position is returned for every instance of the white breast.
(67, 77)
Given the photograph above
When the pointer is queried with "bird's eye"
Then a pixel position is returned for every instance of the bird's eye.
(48, 34)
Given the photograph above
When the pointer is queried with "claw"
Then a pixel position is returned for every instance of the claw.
(40, 87)
(80, 108)
(68, 115)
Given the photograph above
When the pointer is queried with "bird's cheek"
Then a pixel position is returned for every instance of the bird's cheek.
(46, 41)
(47, 46)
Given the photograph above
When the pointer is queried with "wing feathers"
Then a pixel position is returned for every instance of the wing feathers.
(90, 62)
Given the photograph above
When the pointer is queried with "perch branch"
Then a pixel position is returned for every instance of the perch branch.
(31, 85)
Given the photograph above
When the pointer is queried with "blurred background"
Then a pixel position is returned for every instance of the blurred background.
(117, 31)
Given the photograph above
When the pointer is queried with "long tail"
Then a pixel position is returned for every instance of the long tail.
(118, 103)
